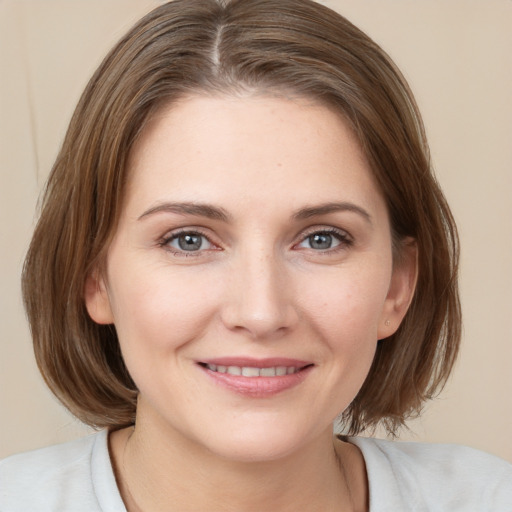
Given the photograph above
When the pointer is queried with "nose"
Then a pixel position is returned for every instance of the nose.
(259, 297)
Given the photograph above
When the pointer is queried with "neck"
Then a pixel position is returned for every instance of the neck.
(167, 472)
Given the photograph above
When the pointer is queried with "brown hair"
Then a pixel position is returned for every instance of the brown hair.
(287, 46)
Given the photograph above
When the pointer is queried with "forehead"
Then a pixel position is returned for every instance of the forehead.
(232, 149)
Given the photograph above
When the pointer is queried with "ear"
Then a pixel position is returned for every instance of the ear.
(96, 298)
(401, 289)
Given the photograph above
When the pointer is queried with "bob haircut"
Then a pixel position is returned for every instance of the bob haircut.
(220, 47)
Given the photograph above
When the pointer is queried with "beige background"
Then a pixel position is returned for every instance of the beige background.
(457, 57)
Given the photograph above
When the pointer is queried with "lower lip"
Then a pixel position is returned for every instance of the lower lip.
(258, 387)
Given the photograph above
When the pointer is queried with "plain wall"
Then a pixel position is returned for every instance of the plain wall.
(456, 55)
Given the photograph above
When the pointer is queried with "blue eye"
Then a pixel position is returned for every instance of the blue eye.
(189, 242)
(325, 240)
(322, 241)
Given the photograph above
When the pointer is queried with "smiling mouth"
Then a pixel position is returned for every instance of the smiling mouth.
(257, 379)
(252, 371)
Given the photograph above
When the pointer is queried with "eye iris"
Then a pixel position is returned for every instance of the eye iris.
(190, 242)
(320, 241)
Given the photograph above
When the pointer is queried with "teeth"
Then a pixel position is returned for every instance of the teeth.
(268, 372)
(250, 371)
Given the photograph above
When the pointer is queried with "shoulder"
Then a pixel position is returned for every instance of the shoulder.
(435, 477)
(61, 477)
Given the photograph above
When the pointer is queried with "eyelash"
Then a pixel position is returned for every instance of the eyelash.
(165, 242)
(344, 239)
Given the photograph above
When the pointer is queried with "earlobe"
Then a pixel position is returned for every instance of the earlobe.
(97, 300)
(401, 289)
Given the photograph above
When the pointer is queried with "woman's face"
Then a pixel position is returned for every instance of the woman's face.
(251, 274)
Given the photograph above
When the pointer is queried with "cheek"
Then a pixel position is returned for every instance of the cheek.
(347, 304)
(157, 311)
(347, 319)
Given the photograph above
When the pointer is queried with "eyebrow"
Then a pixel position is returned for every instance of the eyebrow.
(213, 212)
(324, 209)
(198, 209)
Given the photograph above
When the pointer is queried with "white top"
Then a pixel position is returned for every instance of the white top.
(412, 477)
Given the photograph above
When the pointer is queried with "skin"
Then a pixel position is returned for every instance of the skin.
(257, 287)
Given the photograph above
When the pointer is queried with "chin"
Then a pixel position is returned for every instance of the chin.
(266, 444)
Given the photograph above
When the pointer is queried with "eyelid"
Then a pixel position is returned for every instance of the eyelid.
(323, 228)
(343, 236)
(172, 235)
(343, 233)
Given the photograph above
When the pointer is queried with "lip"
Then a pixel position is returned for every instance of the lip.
(257, 387)
(267, 362)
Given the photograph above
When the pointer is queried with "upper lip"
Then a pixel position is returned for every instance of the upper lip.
(251, 362)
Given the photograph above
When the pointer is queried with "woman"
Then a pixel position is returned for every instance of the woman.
(240, 242)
